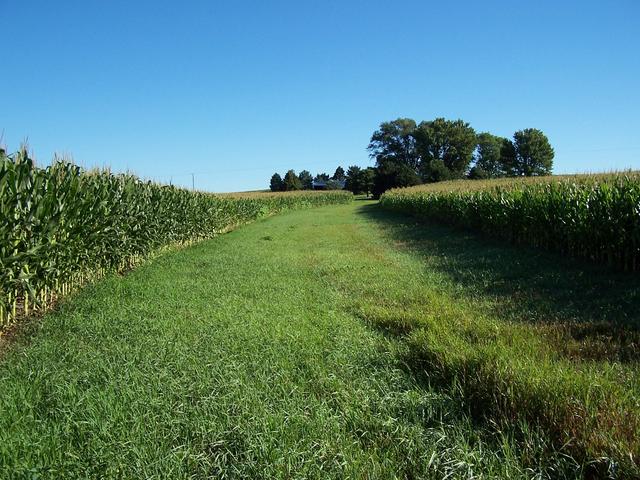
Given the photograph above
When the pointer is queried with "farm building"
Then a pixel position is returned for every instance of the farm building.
(318, 184)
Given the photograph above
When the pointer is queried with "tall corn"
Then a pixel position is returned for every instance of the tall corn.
(596, 217)
(61, 227)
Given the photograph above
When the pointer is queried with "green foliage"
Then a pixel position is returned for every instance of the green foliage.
(322, 177)
(508, 157)
(61, 226)
(534, 154)
(489, 162)
(292, 182)
(451, 142)
(339, 174)
(531, 341)
(436, 171)
(306, 179)
(353, 179)
(392, 175)
(477, 173)
(367, 180)
(360, 180)
(441, 149)
(394, 142)
(592, 216)
(276, 184)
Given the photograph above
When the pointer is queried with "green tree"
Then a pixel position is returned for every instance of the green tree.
(367, 178)
(306, 179)
(339, 174)
(477, 173)
(394, 141)
(437, 171)
(533, 153)
(353, 179)
(451, 142)
(392, 174)
(276, 184)
(291, 181)
(488, 157)
(508, 157)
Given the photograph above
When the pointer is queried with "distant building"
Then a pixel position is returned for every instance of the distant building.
(322, 184)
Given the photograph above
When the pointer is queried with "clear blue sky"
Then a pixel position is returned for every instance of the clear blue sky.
(234, 91)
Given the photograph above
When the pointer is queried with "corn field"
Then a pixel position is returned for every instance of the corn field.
(596, 217)
(61, 227)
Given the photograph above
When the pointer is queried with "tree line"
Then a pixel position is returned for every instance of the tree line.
(355, 179)
(407, 153)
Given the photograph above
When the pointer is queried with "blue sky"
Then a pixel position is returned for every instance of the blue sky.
(233, 91)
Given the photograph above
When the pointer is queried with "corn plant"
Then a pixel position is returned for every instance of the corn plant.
(596, 217)
(61, 226)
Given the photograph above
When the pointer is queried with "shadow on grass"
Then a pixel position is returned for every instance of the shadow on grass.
(594, 310)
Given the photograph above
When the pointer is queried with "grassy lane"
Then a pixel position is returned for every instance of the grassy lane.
(247, 356)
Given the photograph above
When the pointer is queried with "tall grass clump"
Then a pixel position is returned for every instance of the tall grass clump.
(61, 226)
(596, 217)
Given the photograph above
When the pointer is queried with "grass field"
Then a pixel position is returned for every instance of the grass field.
(339, 342)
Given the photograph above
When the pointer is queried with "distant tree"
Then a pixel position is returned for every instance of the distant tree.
(353, 180)
(367, 177)
(477, 173)
(322, 177)
(391, 175)
(508, 157)
(533, 153)
(291, 181)
(306, 179)
(451, 142)
(339, 174)
(360, 180)
(394, 142)
(437, 171)
(488, 157)
(276, 183)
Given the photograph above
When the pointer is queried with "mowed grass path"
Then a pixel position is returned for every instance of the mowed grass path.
(244, 357)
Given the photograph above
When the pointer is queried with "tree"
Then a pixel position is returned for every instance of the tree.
(533, 153)
(394, 141)
(392, 174)
(452, 142)
(291, 181)
(508, 157)
(477, 173)
(367, 177)
(488, 157)
(322, 177)
(276, 184)
(353, 179)
(360, 180)
(339, 174)
(306, 180)
(437, 171)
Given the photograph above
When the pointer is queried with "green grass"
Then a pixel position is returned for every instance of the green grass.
(523, 336)
(315, 344)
